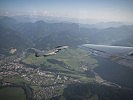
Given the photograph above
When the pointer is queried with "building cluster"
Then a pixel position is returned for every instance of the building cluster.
(49, 84)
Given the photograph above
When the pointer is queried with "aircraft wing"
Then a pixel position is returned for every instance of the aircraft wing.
(61, 47)
(122, 55)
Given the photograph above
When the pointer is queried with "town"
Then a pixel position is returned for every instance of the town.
(45, 84)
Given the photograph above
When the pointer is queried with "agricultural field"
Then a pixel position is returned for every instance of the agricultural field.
(12, 93)
(71, 59)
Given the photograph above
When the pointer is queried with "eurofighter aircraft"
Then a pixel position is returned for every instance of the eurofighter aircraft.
(39, 53)
(120, 54)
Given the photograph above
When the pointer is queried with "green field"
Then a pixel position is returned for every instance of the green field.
(72, 58)
(69, 61)
(12, 93)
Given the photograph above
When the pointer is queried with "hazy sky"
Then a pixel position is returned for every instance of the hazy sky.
(103, 10)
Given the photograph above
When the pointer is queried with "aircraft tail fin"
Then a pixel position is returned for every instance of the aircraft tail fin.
(130, 53)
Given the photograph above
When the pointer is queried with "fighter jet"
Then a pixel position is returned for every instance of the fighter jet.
(120, 54)
(39, 53)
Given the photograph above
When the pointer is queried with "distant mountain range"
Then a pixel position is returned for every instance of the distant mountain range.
(17, 34)
(91, 23)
